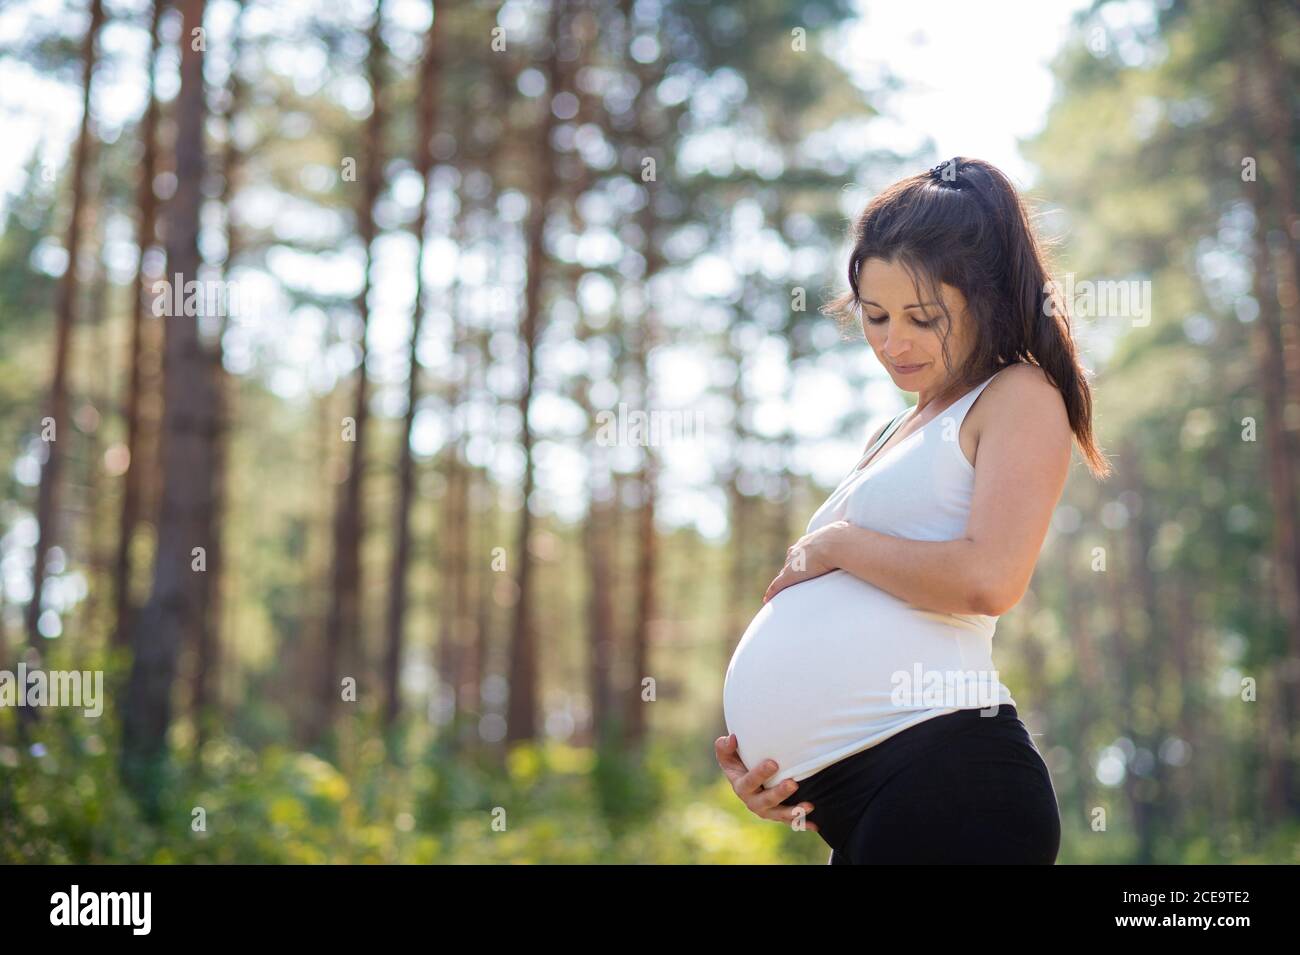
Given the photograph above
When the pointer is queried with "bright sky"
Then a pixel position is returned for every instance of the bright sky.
(976, 79)
(976, 74)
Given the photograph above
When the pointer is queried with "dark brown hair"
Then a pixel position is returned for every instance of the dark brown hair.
(963, 224)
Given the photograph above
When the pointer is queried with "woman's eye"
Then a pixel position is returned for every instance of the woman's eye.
(881, 319)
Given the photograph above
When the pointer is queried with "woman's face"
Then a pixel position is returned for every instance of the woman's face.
(903, 328)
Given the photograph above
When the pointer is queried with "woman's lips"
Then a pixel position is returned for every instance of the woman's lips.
(908, 369)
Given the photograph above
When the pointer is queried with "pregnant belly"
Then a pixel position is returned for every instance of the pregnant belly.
(833, 664)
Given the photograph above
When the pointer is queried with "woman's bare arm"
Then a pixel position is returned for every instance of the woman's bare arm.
(1021, 466)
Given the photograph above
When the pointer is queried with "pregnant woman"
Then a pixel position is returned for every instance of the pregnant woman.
(866, 681)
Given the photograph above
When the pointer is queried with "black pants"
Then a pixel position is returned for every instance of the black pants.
(955, 789)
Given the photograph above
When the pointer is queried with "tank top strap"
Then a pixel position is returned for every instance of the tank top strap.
(958, 408)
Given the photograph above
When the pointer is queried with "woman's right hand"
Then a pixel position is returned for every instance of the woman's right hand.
(748, 785)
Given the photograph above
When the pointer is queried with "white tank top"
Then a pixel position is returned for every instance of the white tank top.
(833, 665)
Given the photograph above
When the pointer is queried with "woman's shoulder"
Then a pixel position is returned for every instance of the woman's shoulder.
(1026, 381)
(1023, 396)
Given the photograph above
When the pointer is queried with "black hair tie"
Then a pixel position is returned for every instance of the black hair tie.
(956, 181)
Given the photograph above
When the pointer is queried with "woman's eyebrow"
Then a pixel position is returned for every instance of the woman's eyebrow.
(867, 301)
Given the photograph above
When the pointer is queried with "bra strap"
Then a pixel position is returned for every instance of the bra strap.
(884, 436)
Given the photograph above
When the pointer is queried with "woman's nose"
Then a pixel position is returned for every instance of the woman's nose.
(900, 351)
(896, 342)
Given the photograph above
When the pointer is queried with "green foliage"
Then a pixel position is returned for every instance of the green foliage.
(26, 293)
(628, 789)
(553, 803)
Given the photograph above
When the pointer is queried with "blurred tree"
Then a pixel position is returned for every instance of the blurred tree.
(206, 696)
(175, 603)
(137, 465)
(66, 316)
(521, 717)
(343, 625)
(426, 121)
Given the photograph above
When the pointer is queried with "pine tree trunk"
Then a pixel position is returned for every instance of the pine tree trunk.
(599, 546)
(47, 501)
(456, 663)
(741, 599)
(521, 716)
(343, 623)
(1270, 346)
(133, 479)
(427, 103)
(646, 604)
(1279, 112)
(207, 666)
(97, 390)
(177, 596)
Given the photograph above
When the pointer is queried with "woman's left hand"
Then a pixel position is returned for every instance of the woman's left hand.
(809, 557)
